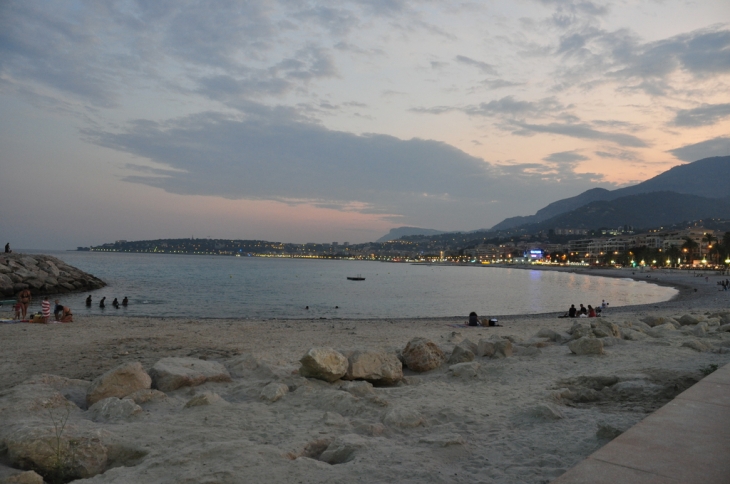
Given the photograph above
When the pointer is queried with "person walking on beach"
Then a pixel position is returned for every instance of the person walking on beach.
(46, 309)
(25, 298)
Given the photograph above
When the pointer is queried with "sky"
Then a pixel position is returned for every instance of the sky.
(321, 121)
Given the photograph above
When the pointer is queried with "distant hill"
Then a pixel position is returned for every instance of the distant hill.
(641, 211)
(399, 232)
(704, 178)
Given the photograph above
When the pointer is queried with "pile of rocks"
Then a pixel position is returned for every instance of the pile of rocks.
(42, 274)
(590, 337)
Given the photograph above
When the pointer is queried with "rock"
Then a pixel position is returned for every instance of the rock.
(403, 418)
(603, 329)
(324, 364)
(247, 366)
(113, 409)
(662, 330)
(697, 345)
(27, 477)
(119, 382)
(687, 320)
(582, 331)
(640, 326)
(586, 346)
(460, 355)
(485, 348)
(699, 330)
(465, 370)
(421, 354)
(368, 428)
(502, 349)
(546, 411)
(652, 321)
(171, 373)
(342, 449)
(334, 419)
(148, 395)
(374, 366)
(78, 452)
(612, 341)
(724, 328)
(202, 399)
(274, 391)
(606, 431)
(443, 440)
(633, 335)
(359, 389)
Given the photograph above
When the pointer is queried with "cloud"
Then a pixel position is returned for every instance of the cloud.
(719, 146)
(267, 156)
(482, 66)
(581, 131)
(565, 157)
(705, 115)
(617, 155)
(511, 107)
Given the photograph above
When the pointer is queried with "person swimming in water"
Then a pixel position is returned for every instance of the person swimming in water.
(115, 303)
(88, 301)
(125, 301)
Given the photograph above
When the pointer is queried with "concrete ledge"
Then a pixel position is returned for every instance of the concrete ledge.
(686, 441)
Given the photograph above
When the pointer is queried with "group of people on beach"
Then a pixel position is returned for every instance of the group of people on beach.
(102, 302)
(585, 312)
(475, 321)
(61, 313)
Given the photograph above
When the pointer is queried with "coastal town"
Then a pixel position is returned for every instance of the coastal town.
(691, 246)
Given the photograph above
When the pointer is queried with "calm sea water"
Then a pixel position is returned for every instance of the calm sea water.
(252, 287)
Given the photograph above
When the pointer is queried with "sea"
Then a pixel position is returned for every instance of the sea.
(206, 286)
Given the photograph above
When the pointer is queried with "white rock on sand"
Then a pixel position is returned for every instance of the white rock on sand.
(523, 418)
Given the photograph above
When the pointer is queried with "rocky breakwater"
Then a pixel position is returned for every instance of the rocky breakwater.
(42, 274)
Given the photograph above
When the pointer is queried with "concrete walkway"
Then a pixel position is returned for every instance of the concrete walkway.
(686, 441)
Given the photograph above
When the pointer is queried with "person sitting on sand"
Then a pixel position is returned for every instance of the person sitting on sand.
(591, 312)
(125, 301)
(474, 319)
(583, 310)
(572, 311)
(115, 303)
(88, 301)
(101, 303)
(66, 315)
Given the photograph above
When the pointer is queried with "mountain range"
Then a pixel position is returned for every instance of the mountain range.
(691, 191)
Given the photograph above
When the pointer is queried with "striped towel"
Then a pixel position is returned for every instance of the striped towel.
(46, 308)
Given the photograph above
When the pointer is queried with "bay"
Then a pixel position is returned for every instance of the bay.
(261, 288)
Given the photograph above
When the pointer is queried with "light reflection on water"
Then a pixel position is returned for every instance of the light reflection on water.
(243, 287)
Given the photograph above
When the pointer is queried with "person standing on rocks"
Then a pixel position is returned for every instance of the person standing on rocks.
(7, 248)
(25, 298)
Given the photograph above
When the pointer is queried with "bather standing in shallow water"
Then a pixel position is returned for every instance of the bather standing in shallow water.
(101, 303)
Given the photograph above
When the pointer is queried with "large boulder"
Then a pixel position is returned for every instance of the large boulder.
(77, 453)
(375, 367)
(421, 354)
(324, 364)
(27, 477)
(273, 391)
(485, 348)
(605, 329)
(687, 320)
(169, 374)
(502, 349)
(465, 370)
(114, 409)
(586, 346)
(119, 382)
(461, 354)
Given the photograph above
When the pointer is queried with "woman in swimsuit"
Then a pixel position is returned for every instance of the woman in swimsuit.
(66, 315)
(24, 301)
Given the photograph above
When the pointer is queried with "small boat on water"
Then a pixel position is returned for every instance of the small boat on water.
(356, 278)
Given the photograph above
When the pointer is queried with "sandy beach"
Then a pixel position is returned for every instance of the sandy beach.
(525, 418)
